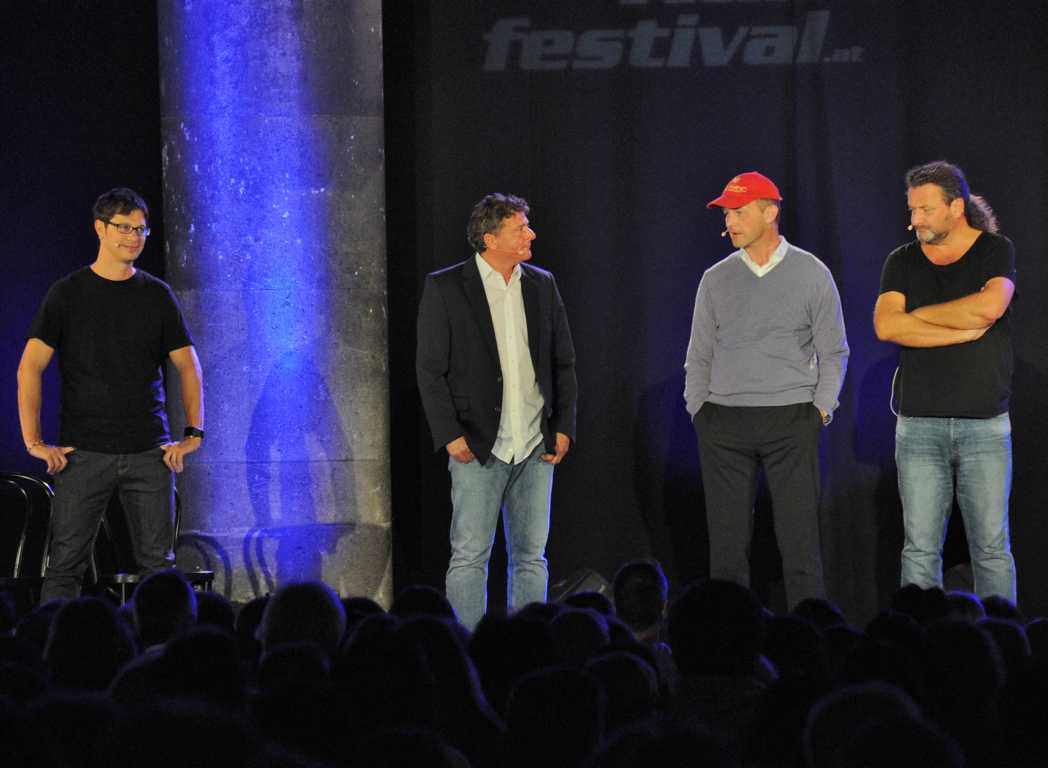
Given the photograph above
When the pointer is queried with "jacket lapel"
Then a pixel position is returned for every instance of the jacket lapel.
(473, 287)
(530, 291)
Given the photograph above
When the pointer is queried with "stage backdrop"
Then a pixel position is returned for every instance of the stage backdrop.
(618, 121)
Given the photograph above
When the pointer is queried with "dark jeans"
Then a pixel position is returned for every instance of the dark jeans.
(733, 443)
(82, 492)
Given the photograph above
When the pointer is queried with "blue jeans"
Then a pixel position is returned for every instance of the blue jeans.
(936, 455)
(82, 493)
(478, 493)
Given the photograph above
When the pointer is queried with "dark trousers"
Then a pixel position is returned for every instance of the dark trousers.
(733, 443)
(82, 492)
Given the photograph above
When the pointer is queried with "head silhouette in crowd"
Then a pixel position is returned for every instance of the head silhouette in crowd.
(716, 628)
(163, 605)
(306, 611)
(640, 590)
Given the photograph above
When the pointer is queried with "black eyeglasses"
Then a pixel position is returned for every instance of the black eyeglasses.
(127, 229)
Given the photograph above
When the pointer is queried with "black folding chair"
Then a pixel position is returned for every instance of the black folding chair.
(25, 535)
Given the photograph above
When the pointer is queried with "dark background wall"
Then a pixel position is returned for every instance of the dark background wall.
(81, 115)
(618, 163)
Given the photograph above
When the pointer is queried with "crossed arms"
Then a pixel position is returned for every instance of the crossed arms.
(941, 325)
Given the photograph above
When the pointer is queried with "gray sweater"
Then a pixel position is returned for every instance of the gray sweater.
(772, 340)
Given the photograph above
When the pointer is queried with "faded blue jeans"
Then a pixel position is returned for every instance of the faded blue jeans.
(82, 492)
(936, 455)
(479, 492)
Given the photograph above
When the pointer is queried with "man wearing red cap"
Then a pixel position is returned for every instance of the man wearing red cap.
(764, 367)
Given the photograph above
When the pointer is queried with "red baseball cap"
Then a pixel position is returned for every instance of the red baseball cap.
(745, 188)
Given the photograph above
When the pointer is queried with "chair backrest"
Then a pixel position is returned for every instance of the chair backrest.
(25, 525)
(14, 519)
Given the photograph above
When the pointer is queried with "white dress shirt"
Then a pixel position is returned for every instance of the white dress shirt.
(522, 404)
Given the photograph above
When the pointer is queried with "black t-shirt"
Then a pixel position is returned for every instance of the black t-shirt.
(112, 338)
(971, 380)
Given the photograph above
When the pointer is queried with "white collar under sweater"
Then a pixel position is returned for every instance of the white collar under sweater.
(776, 256)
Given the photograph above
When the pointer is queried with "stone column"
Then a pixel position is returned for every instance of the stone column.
(274, 191)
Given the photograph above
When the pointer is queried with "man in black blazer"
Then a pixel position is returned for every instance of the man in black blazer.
(496, 374)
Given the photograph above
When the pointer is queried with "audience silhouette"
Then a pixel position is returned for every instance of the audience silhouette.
(308, 678)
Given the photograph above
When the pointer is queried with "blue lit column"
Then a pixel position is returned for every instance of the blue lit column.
(274, 213)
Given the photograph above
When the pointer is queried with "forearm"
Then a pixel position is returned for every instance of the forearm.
(696, 378)
(967, 313)
(830, 339)
(30, 399)
(832, 368)
(565, 382)
(192, 382)
(565, 385)
(431, 373)
(698, 360)
(433, 366)
(908, 330)
(438, 408)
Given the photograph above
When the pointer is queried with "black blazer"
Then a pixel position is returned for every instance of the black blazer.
(457, 360)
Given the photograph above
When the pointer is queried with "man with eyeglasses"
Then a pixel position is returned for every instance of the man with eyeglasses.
(113, 327)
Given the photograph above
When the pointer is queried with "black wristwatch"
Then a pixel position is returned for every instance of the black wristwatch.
(193, 432)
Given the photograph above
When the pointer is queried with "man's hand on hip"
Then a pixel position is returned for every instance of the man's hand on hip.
(459, 450)
(175, 453)
(54, 455)
(563, 444)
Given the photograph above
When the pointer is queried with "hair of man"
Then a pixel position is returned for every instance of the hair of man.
(489, 213)
(116, 202)
(763, 203)
(951, 180)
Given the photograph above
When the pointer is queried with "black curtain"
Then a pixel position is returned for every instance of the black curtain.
(81, 101)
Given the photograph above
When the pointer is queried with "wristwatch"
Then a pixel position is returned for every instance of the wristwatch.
(193, 432)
